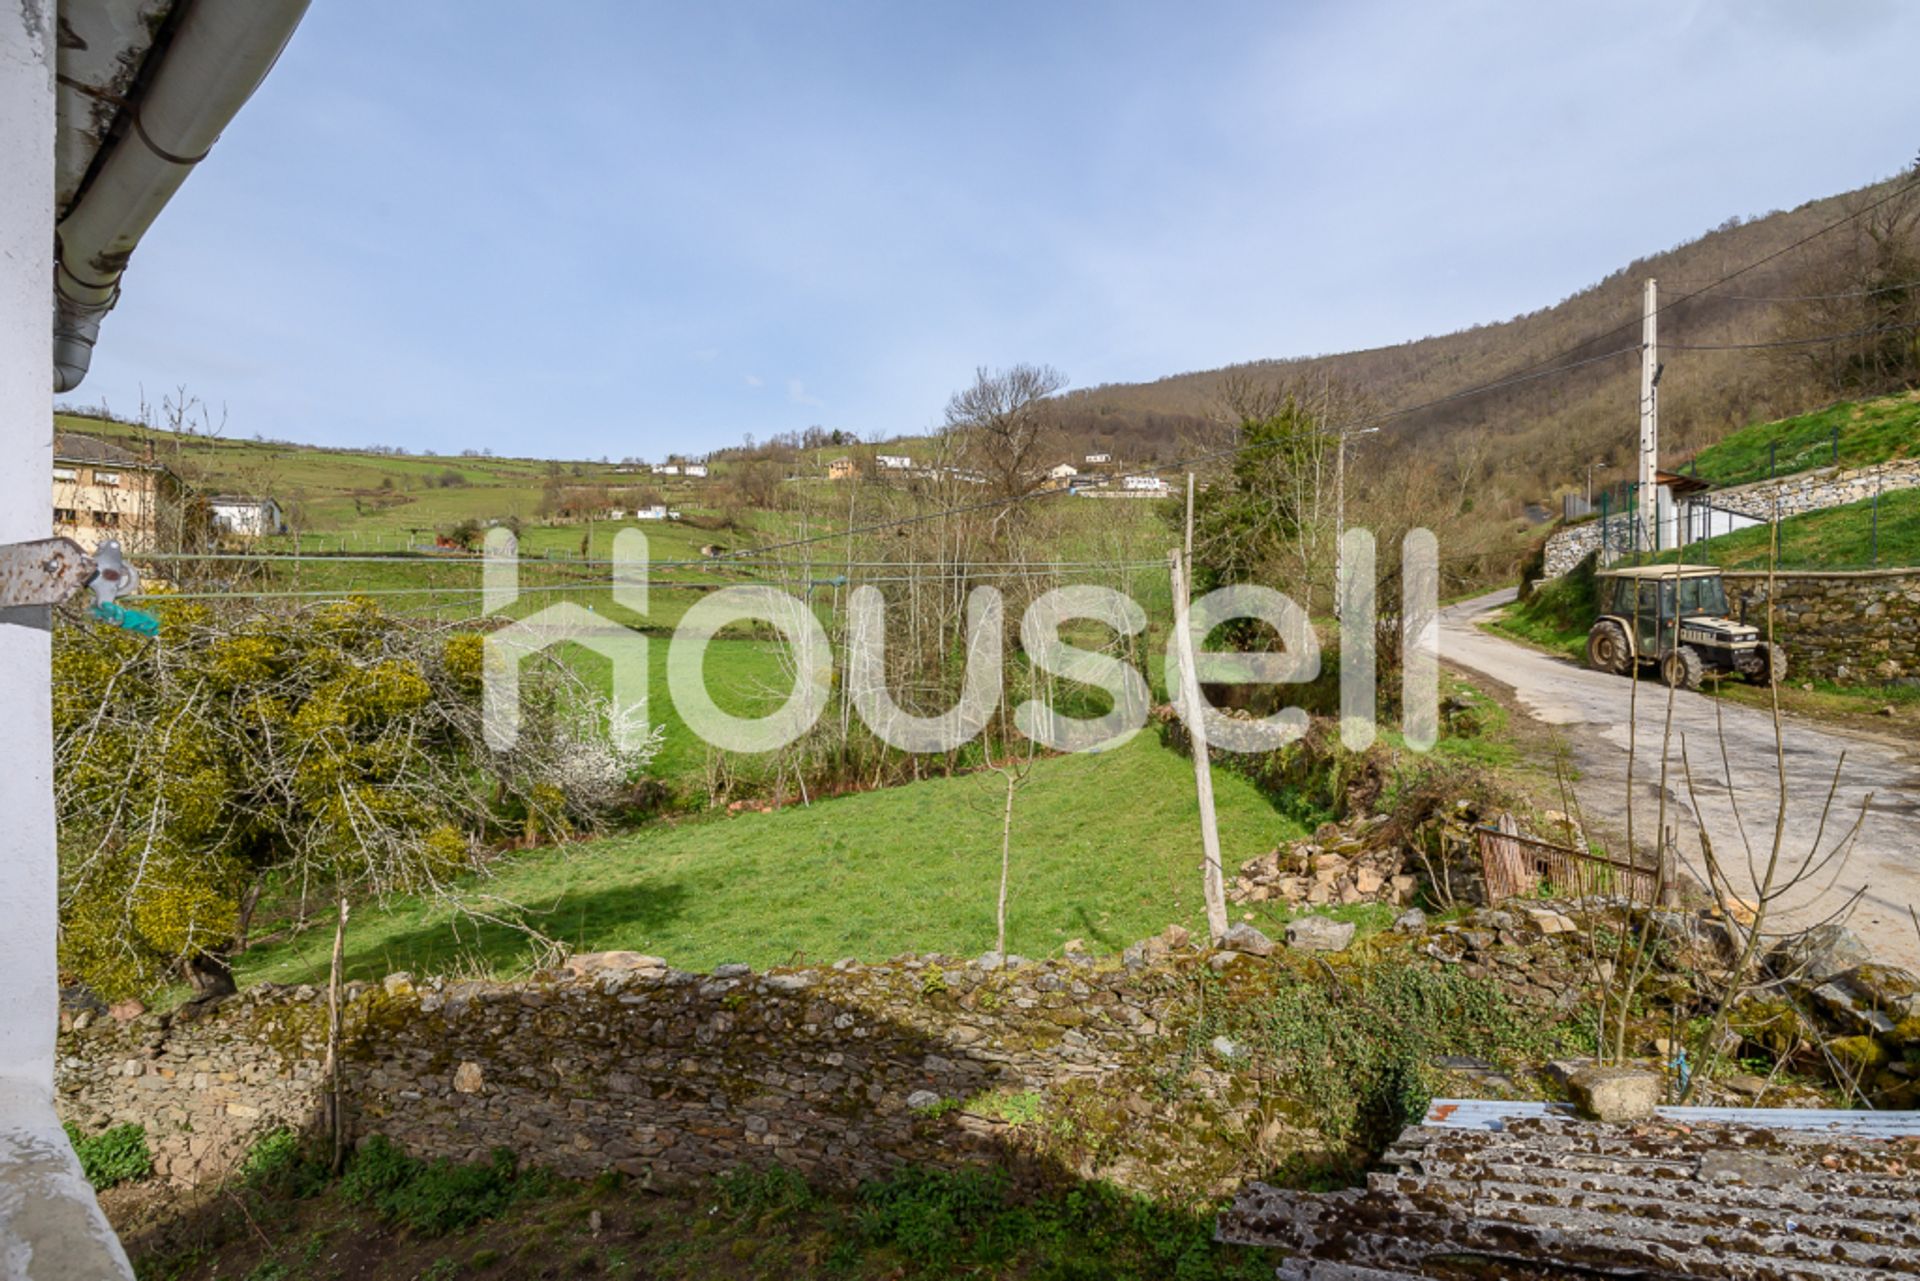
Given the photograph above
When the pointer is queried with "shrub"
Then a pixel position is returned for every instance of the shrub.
(770, 1192)
(437, 1198)
(114, 1156)
(281, 1163)
(1356, 1048)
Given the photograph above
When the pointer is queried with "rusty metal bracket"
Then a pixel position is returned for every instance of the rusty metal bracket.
(43, 572)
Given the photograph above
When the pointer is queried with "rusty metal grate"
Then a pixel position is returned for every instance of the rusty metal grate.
(1516, 866)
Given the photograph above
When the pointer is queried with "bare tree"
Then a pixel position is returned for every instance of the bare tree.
(1002, 422)
(1853, 328)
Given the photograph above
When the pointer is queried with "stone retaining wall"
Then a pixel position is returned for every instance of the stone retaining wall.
(1848, 627)
(1817, 490)
(1568, 547)
(1794, 495)
(671, 1076)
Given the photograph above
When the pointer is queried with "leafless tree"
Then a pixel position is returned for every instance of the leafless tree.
(1001, 424)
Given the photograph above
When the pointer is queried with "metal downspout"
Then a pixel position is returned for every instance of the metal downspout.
(220, 53)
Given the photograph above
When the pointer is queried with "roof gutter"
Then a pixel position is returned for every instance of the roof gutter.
(219, 54)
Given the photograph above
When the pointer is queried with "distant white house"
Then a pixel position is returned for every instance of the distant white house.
(1063, 471)
(694, 469)
(1094, 460)
(666, 469)
(247, 517)
(893, 462)
(1144, 484)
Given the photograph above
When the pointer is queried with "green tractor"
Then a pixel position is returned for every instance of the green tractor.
(1675, 617)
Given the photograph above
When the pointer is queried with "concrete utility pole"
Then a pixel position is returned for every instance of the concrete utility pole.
(1648, 490)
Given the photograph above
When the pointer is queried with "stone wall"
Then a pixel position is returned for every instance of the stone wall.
(1568, 547)
(671, 1076)
(1794, 495)
(1817, 490)
(1854, 627)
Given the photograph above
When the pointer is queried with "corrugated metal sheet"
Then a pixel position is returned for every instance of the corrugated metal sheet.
(1494, 1114)
(1502, 1191)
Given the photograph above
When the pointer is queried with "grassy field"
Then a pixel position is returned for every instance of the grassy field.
(1870, 431)
(1849, 537)
(1105, 849)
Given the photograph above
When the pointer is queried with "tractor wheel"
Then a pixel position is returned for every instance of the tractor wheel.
(1682, 667)
(1607, 648)
(1774, 668)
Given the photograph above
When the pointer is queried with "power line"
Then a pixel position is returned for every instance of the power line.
(1527, 373)
(1849, 293)
(1809, 238)
(1183, 464)
(592, 585)
(708, 562)
(1791, 342)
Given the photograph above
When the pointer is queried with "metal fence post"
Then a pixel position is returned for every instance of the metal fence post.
(1876, 521)
(1773, 447)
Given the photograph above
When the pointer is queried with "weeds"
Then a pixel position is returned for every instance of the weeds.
(433, 1199)
(114, 1156)
(1355, 1049)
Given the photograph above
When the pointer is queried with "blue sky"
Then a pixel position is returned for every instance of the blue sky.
(588, 228)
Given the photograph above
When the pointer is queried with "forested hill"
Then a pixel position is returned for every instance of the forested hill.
(1542, 432)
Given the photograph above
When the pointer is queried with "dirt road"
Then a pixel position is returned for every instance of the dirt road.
(1592, 707)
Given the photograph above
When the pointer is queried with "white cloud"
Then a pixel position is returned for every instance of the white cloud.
(797, 394)
(754, 380)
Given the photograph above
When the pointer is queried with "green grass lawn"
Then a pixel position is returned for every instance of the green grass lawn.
(1870, 431)
(1106, 848)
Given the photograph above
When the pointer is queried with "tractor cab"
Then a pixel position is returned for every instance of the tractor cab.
(1676, 616)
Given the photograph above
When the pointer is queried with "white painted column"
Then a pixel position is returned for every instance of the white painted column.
(50, 1224)
(1648, 498)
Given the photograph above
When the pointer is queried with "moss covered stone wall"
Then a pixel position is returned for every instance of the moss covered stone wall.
(671, 1076)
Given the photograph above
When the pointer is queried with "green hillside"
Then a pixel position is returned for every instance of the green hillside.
(1852, 434)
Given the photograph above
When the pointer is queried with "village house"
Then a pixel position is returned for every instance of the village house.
(842, 468)
(1061, 476)
(893, 462)
(694, 469)
(246, 517)
(1097, 460)
(1146, 486)
(103, 491)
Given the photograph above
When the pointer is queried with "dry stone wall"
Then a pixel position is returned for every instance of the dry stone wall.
(1817, 490)
(671, 1076)
(1794, 495)
(1847, 627)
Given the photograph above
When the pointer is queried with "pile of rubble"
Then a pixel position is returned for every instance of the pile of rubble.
(1345, 863)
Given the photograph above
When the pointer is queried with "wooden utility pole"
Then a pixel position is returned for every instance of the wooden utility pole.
(1213, 886)
(1649, 490)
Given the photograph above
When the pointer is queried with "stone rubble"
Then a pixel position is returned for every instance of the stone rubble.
(1341, 865)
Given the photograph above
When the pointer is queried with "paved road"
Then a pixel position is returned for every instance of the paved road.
(1593, 708)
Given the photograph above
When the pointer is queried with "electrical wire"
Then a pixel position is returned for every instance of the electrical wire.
(1791, 342)
(584, 585)
(1850, 293)
(1528, 373)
